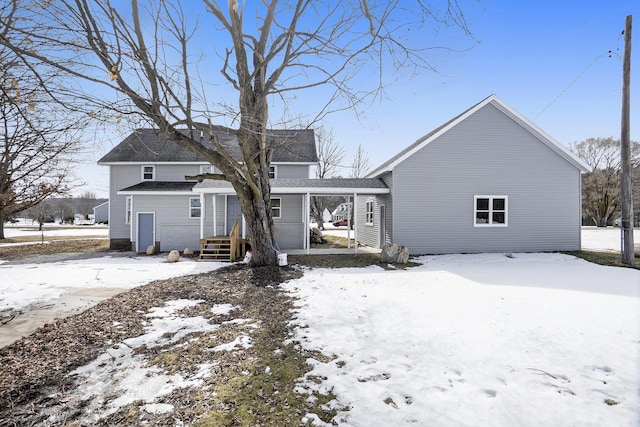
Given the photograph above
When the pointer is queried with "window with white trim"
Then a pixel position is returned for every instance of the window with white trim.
(490, 211)
(128, 208)
(148, 173)
(276, 207)
(206, 169)
(273, 172)
(368, 213)
(195, 207)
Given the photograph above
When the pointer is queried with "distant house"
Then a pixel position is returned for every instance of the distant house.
(79, 219)
(488, 180)
(101, 212)
(342, 212)
(326, 215)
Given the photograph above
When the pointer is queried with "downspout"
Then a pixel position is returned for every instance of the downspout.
(203, 209)
(131, 220)
(307, 240)
(215, 222)
(348, 221)
(355, 228)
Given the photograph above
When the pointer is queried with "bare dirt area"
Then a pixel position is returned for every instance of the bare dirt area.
(65, 245)
(38, 386)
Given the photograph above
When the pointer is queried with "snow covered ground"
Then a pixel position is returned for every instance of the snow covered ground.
(464, 340)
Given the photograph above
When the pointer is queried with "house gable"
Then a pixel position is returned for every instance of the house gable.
(496, 102)
(443, 184)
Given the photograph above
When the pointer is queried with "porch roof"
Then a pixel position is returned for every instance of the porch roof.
(159, 188)
(303, 186)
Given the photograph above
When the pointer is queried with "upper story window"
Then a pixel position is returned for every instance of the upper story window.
(148, 173)
(490, 211)
(368, 213)
(195, 207)
(276, 207)
(273, 172)
(206, 169)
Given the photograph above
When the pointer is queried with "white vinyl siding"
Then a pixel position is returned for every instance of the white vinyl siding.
(486, 154)
(172, 231)
(291, 171)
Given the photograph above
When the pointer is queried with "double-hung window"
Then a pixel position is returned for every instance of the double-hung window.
(368, 215)
(273, 172)
(206, 169)
(148, 173)
(490, 211)
(195, 208)
(276, 207)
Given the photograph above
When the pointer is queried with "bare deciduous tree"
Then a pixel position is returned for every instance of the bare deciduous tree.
(152, 63)
(37, 143)
(360, 164)
(330, 155)
(601, 188)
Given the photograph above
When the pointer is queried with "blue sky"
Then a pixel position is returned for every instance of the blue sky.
(547, 59)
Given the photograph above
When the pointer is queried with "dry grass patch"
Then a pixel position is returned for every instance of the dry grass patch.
(604, 258)
(60, 245)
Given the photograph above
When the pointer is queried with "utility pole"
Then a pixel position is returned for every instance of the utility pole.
(627, 250)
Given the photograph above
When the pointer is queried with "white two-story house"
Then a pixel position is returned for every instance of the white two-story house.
(151, 203)
(488, 180)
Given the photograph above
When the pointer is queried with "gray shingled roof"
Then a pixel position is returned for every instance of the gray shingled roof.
(149, 145)
(182, 186)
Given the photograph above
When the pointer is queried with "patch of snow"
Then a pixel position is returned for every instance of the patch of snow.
(158, 408)
(122, 373)
(24, 284)
(222, 309)
(242, 341)
(537, 339)
(606, 239)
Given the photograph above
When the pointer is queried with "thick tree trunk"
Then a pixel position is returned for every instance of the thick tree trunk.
(2, 219)
(255, 194)
(260, 232)
(317, 210)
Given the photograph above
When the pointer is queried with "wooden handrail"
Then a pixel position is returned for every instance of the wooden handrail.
(234, 236)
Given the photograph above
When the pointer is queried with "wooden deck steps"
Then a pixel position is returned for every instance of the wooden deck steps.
(223, 248)
(216, 249)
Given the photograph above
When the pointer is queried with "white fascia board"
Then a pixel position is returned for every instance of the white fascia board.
(300, 190)
(151, 162)
(543, 136)
(328, 190)
(155, 193)
(203, 162)
(293, 163)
